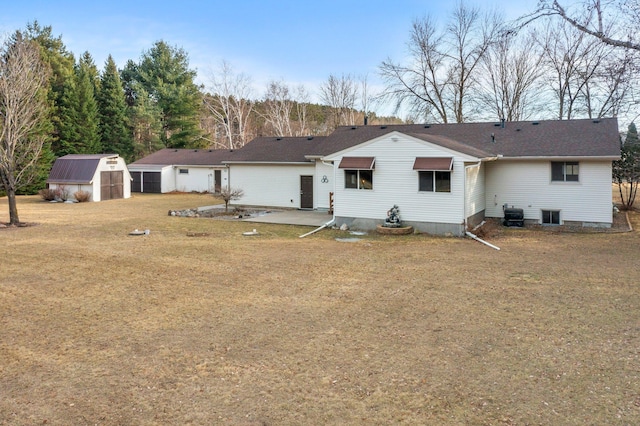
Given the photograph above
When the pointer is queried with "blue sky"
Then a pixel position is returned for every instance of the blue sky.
(297, 41)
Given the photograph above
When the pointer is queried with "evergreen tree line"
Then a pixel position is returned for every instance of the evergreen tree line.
(151, 104)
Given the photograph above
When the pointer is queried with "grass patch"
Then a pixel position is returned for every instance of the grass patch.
(99, 327)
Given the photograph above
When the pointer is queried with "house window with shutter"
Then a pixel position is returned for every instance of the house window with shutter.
(358, 172)
(434, 173)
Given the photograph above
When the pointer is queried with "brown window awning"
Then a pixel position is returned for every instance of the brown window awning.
(359, 163)
(433, 163)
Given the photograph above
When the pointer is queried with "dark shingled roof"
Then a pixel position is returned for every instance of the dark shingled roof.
(521, 139)
(277, 150)
(569, 138)
(195, 157)
(75, 168)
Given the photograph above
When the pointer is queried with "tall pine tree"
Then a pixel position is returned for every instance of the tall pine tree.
(78, 111)
(164, 75)
(115, 135)
(55, 54)
(89, 124)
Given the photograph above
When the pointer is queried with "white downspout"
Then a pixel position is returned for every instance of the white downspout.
(464, 202)
(333, 219)
(318, 229)
(475, 237)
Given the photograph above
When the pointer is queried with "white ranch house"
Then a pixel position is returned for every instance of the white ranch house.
(444, 177)
(104, 176)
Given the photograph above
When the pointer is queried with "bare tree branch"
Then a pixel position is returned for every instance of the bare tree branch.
(23, 110)
(601, 31)
(230, 104)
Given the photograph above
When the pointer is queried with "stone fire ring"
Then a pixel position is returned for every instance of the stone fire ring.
(404, 230)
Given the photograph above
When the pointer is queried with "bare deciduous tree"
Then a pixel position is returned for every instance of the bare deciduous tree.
(440, 75)
(341, 94)
(278, 105)
(614, 22)
(302, 98)
(23, 115)
(284, 111)
(230, 104)
(230, 194)
(588, 78)
(510, 75)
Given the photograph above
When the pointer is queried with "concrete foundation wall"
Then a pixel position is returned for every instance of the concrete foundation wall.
(433, 228)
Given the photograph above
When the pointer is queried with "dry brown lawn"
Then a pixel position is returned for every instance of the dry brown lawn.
(99, 327)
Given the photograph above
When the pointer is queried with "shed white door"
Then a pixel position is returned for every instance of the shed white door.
(111, 185)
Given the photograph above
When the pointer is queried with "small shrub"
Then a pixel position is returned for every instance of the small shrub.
(48, 194)
(82, 196)
(230, 194)
(63, 193)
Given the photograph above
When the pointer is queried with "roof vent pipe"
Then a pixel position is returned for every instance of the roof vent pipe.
(493, 137)
(366, 120)
(502, 121)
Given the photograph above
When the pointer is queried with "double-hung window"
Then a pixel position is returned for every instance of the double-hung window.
(564, 171)
(358, 172)
(434, 173)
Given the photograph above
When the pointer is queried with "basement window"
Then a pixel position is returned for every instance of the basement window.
(551, 217)
(183, 171)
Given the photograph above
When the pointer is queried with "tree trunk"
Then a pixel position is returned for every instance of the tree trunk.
(11, 198)
(13, 208)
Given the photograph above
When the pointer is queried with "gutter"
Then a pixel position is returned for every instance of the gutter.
(333, 219)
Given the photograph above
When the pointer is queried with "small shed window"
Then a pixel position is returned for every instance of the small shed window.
(184, 171)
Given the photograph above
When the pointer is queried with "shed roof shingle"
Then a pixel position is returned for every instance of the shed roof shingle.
(75, 168)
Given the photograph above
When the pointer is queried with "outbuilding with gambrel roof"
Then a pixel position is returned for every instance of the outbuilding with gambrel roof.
(104, 176)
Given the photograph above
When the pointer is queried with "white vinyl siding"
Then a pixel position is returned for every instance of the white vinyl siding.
(475, 190)
(198, 179)
(269, 185)
(396, 183)
(527, 185)
(323, 184)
